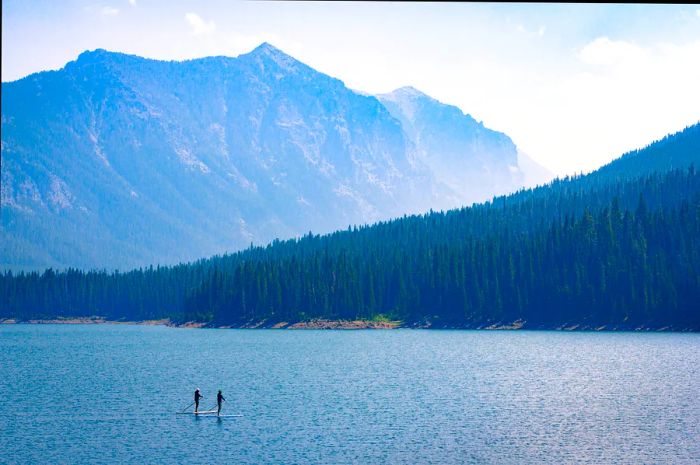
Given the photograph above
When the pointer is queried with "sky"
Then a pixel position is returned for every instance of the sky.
(574, 86)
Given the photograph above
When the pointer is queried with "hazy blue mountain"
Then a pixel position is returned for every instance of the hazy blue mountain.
(120, 161)
(474, 161)
(534, 174)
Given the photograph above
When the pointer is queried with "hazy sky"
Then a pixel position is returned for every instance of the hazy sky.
(573, 85)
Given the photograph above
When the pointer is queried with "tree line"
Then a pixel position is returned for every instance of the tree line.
(614, 266)
(578, 251)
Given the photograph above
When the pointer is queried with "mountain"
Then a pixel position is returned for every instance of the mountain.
(590, 251)
(117, 161)
(534, 174)
(474, 161)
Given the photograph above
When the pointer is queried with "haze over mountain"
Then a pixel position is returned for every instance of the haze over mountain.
(118, 161)
(462, 153)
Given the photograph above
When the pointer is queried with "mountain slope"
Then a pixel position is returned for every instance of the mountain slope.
(534, 173)
(472, 160)
(162, 162)
(118, 161)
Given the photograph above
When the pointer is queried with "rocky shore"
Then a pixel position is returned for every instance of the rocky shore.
(312, 324)
(348, 325)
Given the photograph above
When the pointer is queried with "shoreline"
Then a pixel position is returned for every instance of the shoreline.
(311, 324)
(82, 321)
(324, 324)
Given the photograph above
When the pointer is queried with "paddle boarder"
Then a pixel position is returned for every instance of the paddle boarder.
(219, 398)
(197, 396)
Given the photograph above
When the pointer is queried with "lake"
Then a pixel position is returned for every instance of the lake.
(108, 394)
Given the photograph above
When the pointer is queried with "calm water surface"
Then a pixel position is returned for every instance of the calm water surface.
(108, 394)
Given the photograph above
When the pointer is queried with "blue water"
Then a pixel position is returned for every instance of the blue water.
(108, 394)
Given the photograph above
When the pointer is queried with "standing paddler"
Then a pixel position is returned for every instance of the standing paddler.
(197, 396)
(219, 399)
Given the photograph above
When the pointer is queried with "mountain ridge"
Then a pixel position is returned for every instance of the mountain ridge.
(459, 149)
(166, 161)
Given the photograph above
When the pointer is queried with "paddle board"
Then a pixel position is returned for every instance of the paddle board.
(201, 412)
(210, 414)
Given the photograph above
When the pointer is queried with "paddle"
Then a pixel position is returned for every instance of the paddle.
(187, 407)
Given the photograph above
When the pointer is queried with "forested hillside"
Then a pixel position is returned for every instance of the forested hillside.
(672, 152)
(595, 250)
(615, 265)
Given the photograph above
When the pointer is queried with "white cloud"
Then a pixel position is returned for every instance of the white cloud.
(603, 51)
(697, 12)
(198, 25)
(625, 96)
(539, 32)
(109, 11)
(605, 98)
(132, 2)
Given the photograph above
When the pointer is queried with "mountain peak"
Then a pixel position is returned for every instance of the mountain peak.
(409, 91)
(93, 55)
(102, 56)
(408, 99)
(407, 95)
(268, 50)
(268, 53)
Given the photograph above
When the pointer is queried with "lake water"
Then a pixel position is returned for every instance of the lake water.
(108, 394)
